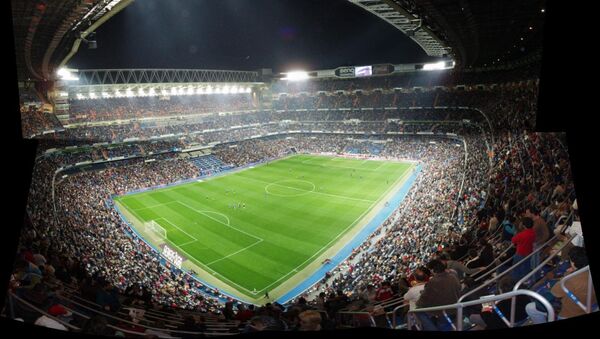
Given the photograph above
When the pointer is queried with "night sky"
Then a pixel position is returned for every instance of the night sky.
(246, 35)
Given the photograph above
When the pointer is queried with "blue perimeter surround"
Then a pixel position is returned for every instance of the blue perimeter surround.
(344, 253)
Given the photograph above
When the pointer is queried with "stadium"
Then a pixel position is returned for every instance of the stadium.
(202, 202)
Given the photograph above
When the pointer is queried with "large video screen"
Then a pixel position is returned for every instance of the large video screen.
(363, 71)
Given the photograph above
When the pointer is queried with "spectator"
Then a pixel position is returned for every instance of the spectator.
(310, 321)
(523, 242)
(489, 319)
(442, 289)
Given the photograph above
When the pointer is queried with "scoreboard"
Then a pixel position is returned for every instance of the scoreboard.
(363, 71)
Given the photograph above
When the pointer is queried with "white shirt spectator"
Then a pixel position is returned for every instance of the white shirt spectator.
(413, 295)
(575, 230)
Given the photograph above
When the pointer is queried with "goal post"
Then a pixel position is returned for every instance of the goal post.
(154, 227)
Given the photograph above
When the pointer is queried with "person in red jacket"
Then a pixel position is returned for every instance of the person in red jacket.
(384, 292)
(523, 242)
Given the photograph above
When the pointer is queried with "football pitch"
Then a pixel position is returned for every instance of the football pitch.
(265, 228)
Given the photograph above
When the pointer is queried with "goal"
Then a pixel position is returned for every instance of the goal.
(155, 228)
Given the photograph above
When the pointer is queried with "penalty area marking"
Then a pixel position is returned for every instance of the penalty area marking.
(177, 227)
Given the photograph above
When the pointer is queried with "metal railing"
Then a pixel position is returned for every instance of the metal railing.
(460, 305)
(125, 321)
(487, 268)
(394, 325)
(513, 303)
(342, 316)
(497, 277)
(13, 297)
(588, 304)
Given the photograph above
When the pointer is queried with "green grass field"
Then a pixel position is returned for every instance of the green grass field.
(296, 209)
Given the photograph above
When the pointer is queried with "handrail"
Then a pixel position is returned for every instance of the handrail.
(540, 266)
(121, 319)
(493, 262)
(64, 323)
(504, 262)
(527, 276)
(388, 302)
(588, 306)
(497, 277)
(152, 317)
(394, 313)
(361, 313)
(460, 305)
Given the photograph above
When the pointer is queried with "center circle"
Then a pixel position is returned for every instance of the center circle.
(290, 188)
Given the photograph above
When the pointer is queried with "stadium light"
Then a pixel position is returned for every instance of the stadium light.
(434, 66)
(225, 89)
(66, 74)
(233, 90)
(152, 92)
(164, 92)
(80, 96)
(209, 90)
(248, 90)
(92, 95)
(173, 90)
(180, 91)
(295, 76)
(118, 94)
(190, 91)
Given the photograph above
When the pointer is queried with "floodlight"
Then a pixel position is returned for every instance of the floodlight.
(66, 74)
(296, 76)
(92, 95)
(434, 66)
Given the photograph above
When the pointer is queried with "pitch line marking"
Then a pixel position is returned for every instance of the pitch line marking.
(177, 227)
(153, 206)
(234, 253)
(307, 192)
(341, 233)
(219, 221)
(198, 262)
(187, 243)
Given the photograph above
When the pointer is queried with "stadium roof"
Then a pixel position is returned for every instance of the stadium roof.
(475, 33)
(483, 33)
(45, 31)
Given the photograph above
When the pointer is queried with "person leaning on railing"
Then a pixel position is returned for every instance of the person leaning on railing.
(442, 289)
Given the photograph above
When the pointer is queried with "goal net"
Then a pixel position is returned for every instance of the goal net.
(155, 228)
